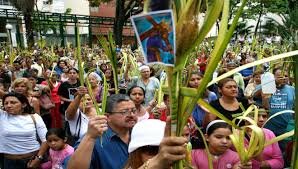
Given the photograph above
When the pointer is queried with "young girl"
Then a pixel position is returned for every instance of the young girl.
(217, 136)
(59, 150)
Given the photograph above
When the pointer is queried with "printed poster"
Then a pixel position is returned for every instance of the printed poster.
(155, 32)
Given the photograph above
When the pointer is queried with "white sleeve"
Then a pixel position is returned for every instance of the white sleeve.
(41, 128)
(2, 114)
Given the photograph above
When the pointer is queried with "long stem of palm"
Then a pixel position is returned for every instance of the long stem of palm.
(295, 148)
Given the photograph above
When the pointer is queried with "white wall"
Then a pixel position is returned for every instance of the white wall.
(80, 7)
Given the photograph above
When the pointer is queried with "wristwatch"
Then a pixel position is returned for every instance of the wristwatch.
(40, 157)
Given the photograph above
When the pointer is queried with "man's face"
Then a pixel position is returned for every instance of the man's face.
(279, 79)
(123, 115)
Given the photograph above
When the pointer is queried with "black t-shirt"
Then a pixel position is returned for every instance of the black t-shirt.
(229, 114)
(68, 91)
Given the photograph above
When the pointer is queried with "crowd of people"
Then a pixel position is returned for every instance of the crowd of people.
(49, 121)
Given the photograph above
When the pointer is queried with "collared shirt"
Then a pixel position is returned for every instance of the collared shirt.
(109, 152)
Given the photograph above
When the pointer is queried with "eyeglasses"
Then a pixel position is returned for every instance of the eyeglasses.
(150, 150)
(127, 112)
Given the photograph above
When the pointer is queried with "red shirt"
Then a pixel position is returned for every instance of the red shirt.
(54, 92)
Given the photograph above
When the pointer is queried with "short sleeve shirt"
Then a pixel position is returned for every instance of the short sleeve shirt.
(149, 88)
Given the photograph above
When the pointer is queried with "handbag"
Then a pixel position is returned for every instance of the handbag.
(46, 102)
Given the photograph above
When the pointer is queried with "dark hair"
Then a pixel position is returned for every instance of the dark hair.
(221, 71)
(135, 86)
(73, 69)
(60, 62)
(59, 132)
(222, 82)
(197, 139)
(22, 98)
(29, 75)
(193, 72)
(275, 70)
(217, 125)
(33, 70)
(114, 99)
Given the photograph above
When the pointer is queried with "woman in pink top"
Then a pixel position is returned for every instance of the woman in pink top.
(271, 156)
(217, 136)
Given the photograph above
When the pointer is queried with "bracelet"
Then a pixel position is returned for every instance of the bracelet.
(40, 157)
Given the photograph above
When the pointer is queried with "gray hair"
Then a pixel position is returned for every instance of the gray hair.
(114, 99)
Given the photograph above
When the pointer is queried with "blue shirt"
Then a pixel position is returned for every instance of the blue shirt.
(198, 113)
(282, 99)
(111, 154)
(247, 72)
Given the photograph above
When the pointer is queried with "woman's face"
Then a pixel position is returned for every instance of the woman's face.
(103, 67)
(33, 81)
(145, 73)
(93, 81)
(12, 105)
(229, 89)
(194, 81)
(219, 141)
(54, 77)
(108, 73)
(73, 75)
(87, 101)
(65, 69)
(21, 88)
(137, 95)
(62, 64)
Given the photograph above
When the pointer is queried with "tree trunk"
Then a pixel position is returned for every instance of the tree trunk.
(119, 22)
(29, 30)
(258, 22)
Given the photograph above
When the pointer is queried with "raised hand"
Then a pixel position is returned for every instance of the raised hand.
(97, 126)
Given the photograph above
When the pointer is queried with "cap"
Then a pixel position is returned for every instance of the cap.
(145, 133)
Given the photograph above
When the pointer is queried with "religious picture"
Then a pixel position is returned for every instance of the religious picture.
(155, 32)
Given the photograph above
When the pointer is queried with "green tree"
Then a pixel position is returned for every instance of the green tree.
(256, 9)
(27, 8)
(287, 28)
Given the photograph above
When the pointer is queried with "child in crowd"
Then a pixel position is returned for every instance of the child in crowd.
(59, 149)
(219, 143)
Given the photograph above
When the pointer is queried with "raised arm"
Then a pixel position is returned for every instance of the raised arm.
(74, 105)
(83, 155)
